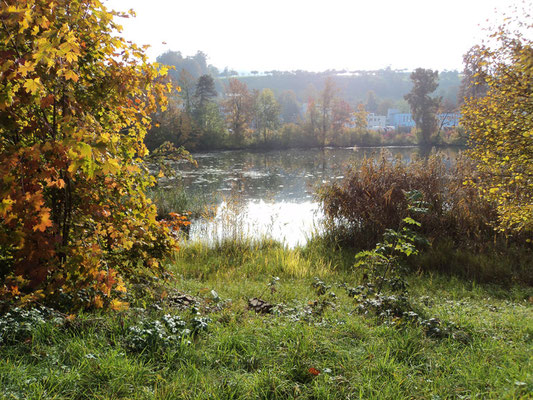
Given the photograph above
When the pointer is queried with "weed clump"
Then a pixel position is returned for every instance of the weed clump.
(370, 199)
(20, 323)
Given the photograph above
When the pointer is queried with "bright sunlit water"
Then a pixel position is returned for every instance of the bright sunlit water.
(271, 193)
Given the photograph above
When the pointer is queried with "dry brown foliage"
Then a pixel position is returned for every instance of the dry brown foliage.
(371, 198)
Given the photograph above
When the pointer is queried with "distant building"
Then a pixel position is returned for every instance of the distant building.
(376, 122)
(399, 120)
(448, 120)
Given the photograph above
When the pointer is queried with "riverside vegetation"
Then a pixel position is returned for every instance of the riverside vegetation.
(421, 286)
(253, 319)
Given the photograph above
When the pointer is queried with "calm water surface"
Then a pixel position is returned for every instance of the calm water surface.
(269, 194)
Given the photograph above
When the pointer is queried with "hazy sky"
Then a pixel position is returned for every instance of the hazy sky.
(313, 35)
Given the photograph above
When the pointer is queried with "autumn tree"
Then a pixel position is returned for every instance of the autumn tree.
(499, 122)
(173, 125)
(424, 107)
(325, 103)
(187, 85)
(267, 113)
(238, 106)
(340, 118)
(360, 118)
(473, 83)
(312, 122)
(213, 132)
(75, 100)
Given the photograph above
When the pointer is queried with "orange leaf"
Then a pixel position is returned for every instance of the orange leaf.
(69, 74)
(45, 222)
(47, 101)
(98, 302)
(314, 371)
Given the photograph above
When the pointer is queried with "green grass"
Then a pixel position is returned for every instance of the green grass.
(244, 355)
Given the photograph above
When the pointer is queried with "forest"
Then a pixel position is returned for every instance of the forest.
(275, 109)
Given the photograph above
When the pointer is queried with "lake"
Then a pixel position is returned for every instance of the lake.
(269, 193)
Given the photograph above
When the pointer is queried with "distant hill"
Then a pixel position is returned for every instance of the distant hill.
(387, 85)
(354, 86)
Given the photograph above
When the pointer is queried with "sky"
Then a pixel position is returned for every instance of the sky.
(313, 35)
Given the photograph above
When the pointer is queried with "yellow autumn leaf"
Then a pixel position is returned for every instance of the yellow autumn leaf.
(5, 206)
(33, 85)
(118, 305)
(84, 150)
(110, 166)
(98, 302)
(71, 75)
(121, 288)
(26, 68)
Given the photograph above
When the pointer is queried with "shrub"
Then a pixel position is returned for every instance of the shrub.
(500, 124)
(371, 199)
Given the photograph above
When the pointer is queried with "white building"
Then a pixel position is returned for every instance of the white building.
(376, 122)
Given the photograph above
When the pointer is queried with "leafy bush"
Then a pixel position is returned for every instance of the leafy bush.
(371, 199)
(384, 265)
(500, 123)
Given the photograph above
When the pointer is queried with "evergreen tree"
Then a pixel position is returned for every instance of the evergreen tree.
(205, 91)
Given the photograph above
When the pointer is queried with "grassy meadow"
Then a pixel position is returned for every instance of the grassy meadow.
(197, 336)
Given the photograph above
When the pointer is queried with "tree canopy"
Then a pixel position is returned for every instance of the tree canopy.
(499, 120)
(423, 107)
(75, 101)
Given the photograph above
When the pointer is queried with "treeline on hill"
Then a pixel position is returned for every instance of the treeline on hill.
(218, 110)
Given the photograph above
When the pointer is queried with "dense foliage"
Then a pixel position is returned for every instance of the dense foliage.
(75, 101)
(500, 125)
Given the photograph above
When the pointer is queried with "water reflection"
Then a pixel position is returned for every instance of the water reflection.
(289, 223)
(269, 193)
